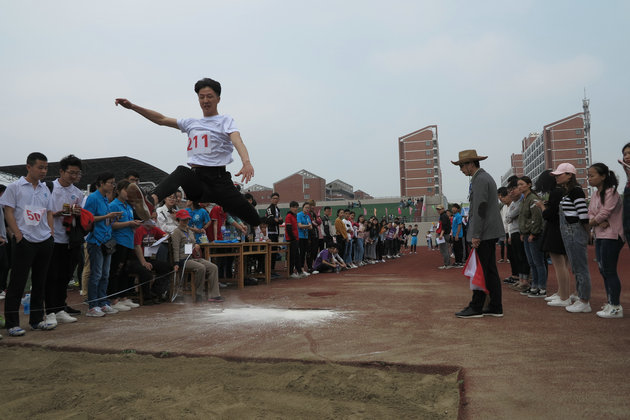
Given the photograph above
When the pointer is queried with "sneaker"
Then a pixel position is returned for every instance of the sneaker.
(43, 326)
(540, 293)
(51, 319)
(72, 311)
(612, 311)
(507, 280)
(552, 297)
(303, 275)
(383, 260)
(16, 332)
(3, 294)
(121, 307)
(295, 276)
(216, 299)
(129, 302)
(136, 199)
(353, 266)
(223, 285)
(315, 272)
(574, 298)
(109, 310)
(443, 267)
(501, 260)
(527, 291)
(96, 311)
(468, 313)
(559, 302)
(493, 312)
(578, 307)
(65, 318)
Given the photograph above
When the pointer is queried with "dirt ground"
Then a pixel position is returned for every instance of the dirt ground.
(46, 384)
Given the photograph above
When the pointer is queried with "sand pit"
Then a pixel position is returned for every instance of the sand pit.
(46, 384)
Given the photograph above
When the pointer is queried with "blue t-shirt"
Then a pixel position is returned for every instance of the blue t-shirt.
(97, 204)
(304, 219)
(123, 236)
(199, 218)
(457, 220)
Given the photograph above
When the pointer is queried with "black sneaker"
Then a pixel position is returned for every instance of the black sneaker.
(493, 312)
(540, 293)
(527, 291)
(72, 311)
(468, 313)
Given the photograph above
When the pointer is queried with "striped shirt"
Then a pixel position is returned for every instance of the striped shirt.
(574, 206)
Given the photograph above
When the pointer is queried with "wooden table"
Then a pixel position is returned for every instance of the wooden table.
(240, 250)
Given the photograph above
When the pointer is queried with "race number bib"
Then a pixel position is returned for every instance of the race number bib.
(199, 142)
(188, 249)
(33, 215)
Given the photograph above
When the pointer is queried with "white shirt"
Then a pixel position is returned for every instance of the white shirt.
(26, 202)
(209, 141)
(166, 221)
(63, 195)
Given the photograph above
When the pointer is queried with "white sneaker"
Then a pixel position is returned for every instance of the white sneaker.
(315, 272)
(383, 260)
(3, 294)
(552, 297)
(612, 311)
(353, 266)
(129, 302)
(109, 310)
(559, 302)
(574, 298)
(121, 307)
(579, 306)
(65, 318)
(96, 311)
(305, 274)
(295, 276)
(51, 319)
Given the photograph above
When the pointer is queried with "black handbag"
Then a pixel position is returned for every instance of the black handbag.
(109, 247)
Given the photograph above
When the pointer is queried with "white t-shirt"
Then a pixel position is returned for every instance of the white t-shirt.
(209, 141)
(166, 220)
(31, 206)
(63, 195)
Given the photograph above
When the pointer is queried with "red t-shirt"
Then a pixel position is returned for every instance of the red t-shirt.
(218, 216)
(151, 235)
(291, 227)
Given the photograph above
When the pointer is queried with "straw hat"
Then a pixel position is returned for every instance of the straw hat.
(466, 156)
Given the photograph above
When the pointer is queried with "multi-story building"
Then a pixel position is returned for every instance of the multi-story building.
(339, 190)
(302, 185)
(516, 167)
(419, 159)
(362, 195)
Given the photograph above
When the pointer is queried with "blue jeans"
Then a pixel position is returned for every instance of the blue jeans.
(575, 239)
(99, 275)
(347, 255)
(536, 260)
(359, 250)
(607, 252)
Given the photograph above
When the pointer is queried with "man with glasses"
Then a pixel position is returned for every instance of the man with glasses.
(66, 204)
(484, 228)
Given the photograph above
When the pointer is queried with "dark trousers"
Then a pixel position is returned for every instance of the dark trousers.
(34, 257)
(305, 252)
(458, 250)
(59, 274)
(118, 274)
(488, 259)
(209, 185)
(273, 237)
(341, 246)
(4, 264)
(518, 260)
(160, 285)
(294, 256)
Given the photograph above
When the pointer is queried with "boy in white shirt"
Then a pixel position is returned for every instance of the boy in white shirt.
(29, 215)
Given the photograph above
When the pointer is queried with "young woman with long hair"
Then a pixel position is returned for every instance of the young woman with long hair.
(574, 229)
(605, 217)
(530, 223)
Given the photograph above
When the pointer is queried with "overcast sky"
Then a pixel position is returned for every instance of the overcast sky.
(325, 86)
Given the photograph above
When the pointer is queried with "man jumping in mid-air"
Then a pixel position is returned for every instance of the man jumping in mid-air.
(211, 140)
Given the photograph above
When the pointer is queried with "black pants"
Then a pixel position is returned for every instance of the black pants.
(294, 257)
(209, 185)
(518, 260)
(59, 274)
(4, 264)
(36, 258)
(273, 237)
(160, 285)
(118, 274)
(304, 254)
(458, 250)
(341, 246)
(488, 259)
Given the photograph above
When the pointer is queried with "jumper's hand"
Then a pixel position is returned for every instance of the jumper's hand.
(247, 171)
(123, 102)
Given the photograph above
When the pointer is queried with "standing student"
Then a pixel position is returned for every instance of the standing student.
(291, 235)
(304, 231)
(29, 214)
(341, 233)
(274, 220)
(211, 141)
(485, 227)
(575, 233)
(605, 217)
(414, 239)
(458, 235)
(444, 231)
(625, 164)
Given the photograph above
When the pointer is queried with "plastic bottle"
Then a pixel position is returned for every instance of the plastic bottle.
(26, 302)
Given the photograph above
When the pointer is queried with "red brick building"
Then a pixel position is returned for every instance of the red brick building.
(419, 160)
(302, 185)
(362, 195)
(261, 194)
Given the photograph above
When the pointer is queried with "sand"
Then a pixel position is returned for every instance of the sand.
(44, 384)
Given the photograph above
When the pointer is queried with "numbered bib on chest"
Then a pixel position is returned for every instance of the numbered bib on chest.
(33, 215)
(200, 142)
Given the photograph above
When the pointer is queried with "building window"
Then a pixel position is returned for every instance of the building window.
(429, 161)
(306, 186)
(428, 153)
(307, 196)
(578, 131)
(429, 171)
(428, 143)
(430, 189)
(578, 141)
(579, 151)
(580, 161)
(580, 171)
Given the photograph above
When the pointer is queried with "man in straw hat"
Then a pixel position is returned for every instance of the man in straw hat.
(484, 228)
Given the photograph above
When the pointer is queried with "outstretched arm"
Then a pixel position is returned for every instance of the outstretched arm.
(150, 115)
(247, 171)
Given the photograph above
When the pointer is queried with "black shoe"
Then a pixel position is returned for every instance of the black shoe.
(493, 312)
(468, 313)
(72, 311)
